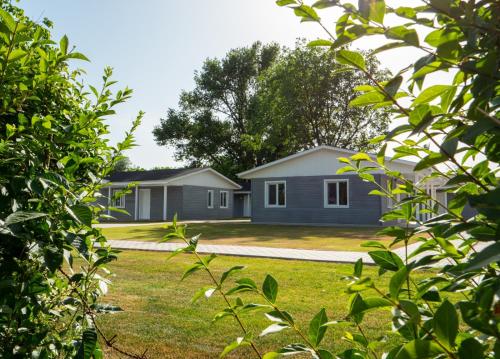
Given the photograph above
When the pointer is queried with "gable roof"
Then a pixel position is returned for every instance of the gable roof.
(165, 176)
(243, 174)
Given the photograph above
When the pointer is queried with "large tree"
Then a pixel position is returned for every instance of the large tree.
(305, 100)
(214, 124)
(262, 103)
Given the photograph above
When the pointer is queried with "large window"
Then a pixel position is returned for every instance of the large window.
(336, 193)
(223, 199)
(210, 198)
(275, 194)
(117, 201)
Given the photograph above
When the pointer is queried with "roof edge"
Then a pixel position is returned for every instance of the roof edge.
(314, 149)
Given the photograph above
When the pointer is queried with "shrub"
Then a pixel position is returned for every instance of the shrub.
(53, 157)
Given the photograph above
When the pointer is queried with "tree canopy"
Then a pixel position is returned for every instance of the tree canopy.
(263, 102)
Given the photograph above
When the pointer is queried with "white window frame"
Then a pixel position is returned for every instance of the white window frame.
(325, 193)
(210, 204)
(114, 200)
(227, 199)
(266, 194)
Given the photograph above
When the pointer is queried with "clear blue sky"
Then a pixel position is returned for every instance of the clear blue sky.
(155, 46)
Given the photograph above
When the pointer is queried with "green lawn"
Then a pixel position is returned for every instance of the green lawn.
(306, 237)
(158, 315)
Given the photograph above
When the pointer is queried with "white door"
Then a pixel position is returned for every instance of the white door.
(144, 203)
(247, 206)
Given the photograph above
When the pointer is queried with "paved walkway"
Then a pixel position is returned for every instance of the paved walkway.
(248, 251)
(269, 252)
(134, 224)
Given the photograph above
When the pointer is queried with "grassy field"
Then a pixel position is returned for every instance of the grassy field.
(306, 237)
(158, 315)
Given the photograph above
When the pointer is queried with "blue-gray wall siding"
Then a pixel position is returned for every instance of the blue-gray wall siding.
(174, 202)
(194, 200)
(305, 203)
(238, 205)
(188, 202)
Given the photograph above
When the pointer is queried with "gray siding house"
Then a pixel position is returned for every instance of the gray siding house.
(305, 189)
(157, 195)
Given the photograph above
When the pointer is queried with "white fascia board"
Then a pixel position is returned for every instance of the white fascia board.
(232, 184)
(179, 178)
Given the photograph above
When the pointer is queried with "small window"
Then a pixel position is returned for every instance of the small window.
(275, 194)
(223, 199)
(336, 193)
(210, 198)
(117, 202)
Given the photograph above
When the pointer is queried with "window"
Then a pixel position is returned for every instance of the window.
(210, 198)
(223, 199)
(117, 202)
(336, 193)
(275, 194)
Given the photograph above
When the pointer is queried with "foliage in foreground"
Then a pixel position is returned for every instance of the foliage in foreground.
(453, 129)
(53, 158)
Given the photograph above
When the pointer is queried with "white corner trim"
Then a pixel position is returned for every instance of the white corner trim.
(266, 194)
(165, 193)
(136, 207)
(325, 193)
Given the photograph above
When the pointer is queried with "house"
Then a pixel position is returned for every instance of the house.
(305, 188)
(242, 200)
(191, 193)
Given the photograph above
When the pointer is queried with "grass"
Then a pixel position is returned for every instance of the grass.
(158, 315)
(303, 237)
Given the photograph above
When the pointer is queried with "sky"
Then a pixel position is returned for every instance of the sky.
(155, 46)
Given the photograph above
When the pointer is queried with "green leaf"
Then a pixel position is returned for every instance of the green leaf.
(9, 21)
(229, 272)
(285, 2)
(486, 256)
(387, 260)
(320, 42)
(351, 58)
(389, 46)
(445, 324)
(431, 93)
(88, 344)
(470, 348)
(361, 157)
(22, 216)
(419, 349)
(368, 98)
(82, 213)
(397, 281)
(373, 244)
(323, 4)
(271, 355)
(358, 268)
(430, 160)
(392, 86)
(191, 269)
(372, 10)
(316, 329)
(16, 54)
(239, 342)
(409, 36)
(306, 12)
(270, 288)
(77, 56)
(63, 45)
